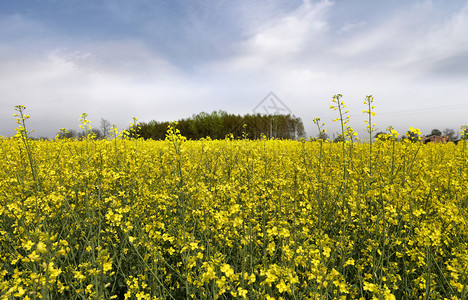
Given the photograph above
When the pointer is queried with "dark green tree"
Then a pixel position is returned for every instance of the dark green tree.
(412, 136)
(436, 132)
(67, 134)
(218, 124)
(338, 139)
(379, 133)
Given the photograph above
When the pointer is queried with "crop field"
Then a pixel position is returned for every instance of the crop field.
(233, 218)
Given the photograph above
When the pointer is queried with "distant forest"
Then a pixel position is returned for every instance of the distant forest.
(219, 124)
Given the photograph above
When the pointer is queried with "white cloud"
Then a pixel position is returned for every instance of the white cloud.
(351, 26)
(410, 40)
(280, 40)
(116, 81)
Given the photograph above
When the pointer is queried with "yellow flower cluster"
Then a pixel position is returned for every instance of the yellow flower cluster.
(224, 219)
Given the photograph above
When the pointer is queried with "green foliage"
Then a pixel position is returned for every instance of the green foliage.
(219, 124)
(436, 132)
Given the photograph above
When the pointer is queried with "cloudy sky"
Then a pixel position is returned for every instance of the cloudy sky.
(168, 59)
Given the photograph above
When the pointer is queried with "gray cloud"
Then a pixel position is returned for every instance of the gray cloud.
(454, 67)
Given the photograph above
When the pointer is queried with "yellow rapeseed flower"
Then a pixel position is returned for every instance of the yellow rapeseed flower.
(226, 269)
(41, 247)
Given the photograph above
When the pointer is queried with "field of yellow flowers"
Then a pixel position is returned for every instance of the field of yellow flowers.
(228, 219)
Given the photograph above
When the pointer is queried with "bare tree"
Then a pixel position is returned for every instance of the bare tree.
(105, 128)
(322, 135)
(451, 134)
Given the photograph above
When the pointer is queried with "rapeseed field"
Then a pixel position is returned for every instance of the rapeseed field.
(232, 219)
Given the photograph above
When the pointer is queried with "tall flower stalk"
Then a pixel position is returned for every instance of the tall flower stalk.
(23, 133)
(370, 128)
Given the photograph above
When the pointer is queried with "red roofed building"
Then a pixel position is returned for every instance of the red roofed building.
(435, 139)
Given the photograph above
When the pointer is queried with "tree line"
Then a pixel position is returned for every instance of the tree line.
(216, 125)
(100, 133)
(219, 124)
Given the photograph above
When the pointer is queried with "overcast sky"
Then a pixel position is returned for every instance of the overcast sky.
(168, 59)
